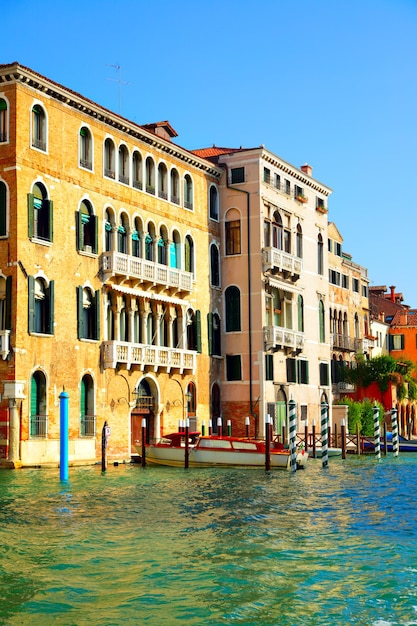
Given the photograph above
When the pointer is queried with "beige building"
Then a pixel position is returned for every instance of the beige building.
(105, 242)
(348, 310)
(274, 277)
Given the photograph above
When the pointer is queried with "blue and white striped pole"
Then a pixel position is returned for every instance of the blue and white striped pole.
(377, 433)
(63, 435)
(395, 445)
(324, 435)
(293, 434)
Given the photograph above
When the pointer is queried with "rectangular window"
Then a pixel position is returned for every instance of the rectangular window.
(329, 241)
(277, 181)
(319, 203)
(291, 365)
(303, 412)
(365, 291)
(355, 285)
(267, 175)
(233, 367)
(269, 367)
(324, 374)
(232, 237)
(303, 372)
(237, 175)
(298, 192)
(396, 342)
(345, 281)
(287, 187)
(338, 248)
(334, 277)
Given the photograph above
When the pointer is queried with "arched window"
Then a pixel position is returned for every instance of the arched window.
(214, 266)
(86, 148)
(188, 192)
(109, 318)
(123, 325)
(357, 328)
(232, 306)
(5, 303)
(4, 121)
(189, 254)
(38, 426)
(322, 335)
(162, 255)
(39, 133)
(214, 203)
(214, 334)
(277, 232)
(87, 416)
(88, 303)
(320, 259)
(137, 170)
(40, 211)
(108, 231)
(175, 250)
(123, 165)
(137, 239)
(191, 396)
(300, 313)
(215, 408)
(193, 330)
(162, 181)
(86, 228)
(3, 209)
(150, 175)
(175, 186)
(41, 306)
(122, 234)
(299, 242)
(109, 158)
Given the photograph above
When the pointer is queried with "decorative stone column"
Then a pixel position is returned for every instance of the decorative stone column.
(13, 392)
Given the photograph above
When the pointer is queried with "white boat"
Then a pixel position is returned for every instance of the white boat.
(219, 452)
(330, 452)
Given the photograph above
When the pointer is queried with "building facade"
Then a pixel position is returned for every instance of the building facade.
(104, 247)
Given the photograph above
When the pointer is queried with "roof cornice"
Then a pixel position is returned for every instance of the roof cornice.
(16, 73)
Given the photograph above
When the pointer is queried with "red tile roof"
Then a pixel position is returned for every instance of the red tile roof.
(214, 151)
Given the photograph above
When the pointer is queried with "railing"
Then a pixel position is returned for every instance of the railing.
(40, 144)
(345, 387)
(137, 184)
(144, 403)
(188, 205)
(115, 263)
(4, 343)
(115, 353)
(109, 173)
(175, 199)
(284, 337)
(38, 426)
(88, 426)
(343, 342)
(123, 179)
(150, 189)
(162, 194)
(275, 259)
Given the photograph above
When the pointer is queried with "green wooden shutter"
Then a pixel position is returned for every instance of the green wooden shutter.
(31, 304)
(198, 331)
(33, 396)
(50, 207)
(51, 290)
(94, 226)
(97, 312)
(3, 209)
(80, 313)
(31, 211)
(210, 332)
(83, 396)
(8, 320)
(291, 365)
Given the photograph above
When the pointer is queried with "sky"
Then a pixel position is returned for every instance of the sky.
(332, 83)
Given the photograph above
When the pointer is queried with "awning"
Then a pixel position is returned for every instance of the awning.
(149, 295)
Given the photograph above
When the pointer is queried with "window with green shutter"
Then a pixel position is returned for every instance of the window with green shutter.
(3, 209)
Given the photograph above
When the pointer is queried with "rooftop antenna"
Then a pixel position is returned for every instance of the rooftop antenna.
(118, 80)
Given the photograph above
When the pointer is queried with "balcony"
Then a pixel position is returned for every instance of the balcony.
(120, 353)
(343, 342)
(345, 388)
(131, 267)
(277, 337)
(278, 261)
(4, 343)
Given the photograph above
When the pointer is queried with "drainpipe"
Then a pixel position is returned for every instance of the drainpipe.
(249, 294)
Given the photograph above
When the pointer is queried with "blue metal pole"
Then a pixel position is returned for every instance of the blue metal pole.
(63, 435)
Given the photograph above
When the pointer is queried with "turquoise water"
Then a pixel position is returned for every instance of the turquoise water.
(209, 546)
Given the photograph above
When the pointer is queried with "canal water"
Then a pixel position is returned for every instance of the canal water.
(160, 546)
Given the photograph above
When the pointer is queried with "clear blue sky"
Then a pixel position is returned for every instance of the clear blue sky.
(328, 82)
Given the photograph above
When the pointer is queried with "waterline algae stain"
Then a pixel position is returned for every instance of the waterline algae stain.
(167, 546)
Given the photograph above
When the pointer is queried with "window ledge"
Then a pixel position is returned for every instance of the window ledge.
(37, 334)
(42, 242)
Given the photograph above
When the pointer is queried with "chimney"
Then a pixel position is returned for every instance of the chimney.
(403, 318)
(307, 169)
(392, 295)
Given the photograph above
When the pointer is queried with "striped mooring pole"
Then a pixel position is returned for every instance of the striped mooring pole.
(293, 434)
(324, 435)
(395, 446)
(377, 433)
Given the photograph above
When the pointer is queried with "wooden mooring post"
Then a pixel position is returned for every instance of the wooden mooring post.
(343, 435)
(358, 440)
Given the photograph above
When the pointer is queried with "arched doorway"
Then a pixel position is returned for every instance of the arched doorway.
(280, 417)
(143, 409)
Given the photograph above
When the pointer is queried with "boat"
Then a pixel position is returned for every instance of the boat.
(213, 451)
(404, 445)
